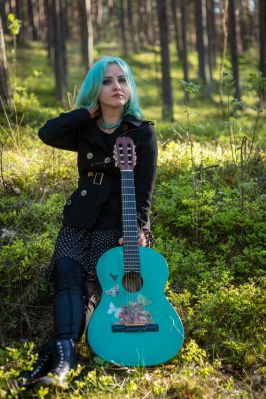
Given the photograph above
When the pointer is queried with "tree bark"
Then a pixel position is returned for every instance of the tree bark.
(232, 36)
(262, 36)
(202, 42)
(165, 61)
(176, 21)
(86, 33)
(5, 91)
(59, 45)
(31, 20)
(184, 57)
(123, 28)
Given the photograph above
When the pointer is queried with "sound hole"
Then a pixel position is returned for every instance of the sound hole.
(132, 281)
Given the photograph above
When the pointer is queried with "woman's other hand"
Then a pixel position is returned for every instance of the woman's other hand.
(142, 240)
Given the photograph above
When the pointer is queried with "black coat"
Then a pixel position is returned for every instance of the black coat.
(97, 200)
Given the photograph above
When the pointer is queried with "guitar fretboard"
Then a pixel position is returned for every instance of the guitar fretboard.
(130, 227)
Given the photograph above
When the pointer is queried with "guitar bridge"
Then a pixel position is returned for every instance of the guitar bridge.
(135, 328)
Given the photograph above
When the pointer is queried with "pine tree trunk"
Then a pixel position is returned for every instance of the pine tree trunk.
(165, 61)
(132, 26)
(59, 43)
(86, 33)
(176, 19)
(202, 42)
(5, 92)
(123, 28)
(184, 57)
(262, 35)
(233, 45)
(31, 20)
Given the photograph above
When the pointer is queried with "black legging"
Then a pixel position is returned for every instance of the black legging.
(70, 300)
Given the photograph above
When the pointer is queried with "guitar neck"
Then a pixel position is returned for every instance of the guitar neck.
(130, 227)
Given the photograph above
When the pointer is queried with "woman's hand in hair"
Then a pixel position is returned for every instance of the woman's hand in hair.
(95, 112)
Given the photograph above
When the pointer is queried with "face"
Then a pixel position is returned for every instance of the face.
(115, 92)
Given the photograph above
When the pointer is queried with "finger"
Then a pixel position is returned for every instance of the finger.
(120, 241)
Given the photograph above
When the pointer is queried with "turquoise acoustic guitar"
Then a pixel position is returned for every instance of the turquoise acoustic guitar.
(133, 324)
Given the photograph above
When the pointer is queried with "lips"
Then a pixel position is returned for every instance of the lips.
(119, 95)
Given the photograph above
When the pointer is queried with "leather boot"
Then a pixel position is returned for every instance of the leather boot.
(27, 378)
(64, 360)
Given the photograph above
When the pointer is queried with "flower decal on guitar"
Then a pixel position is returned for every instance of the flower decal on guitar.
(132, 313)
(113, 291)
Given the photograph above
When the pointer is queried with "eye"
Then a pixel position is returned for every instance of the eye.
(122, 80)
(107, 81)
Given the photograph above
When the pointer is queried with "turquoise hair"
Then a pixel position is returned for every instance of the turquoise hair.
(92, 84)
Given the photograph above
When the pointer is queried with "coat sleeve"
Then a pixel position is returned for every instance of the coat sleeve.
(62, 131)
(145, 174)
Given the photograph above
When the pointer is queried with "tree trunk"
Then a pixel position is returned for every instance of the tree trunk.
(165, 61)
(184, 39)
(86, 33)
(202, 42)
(31, 20)
(132, 26)
(262, 36)
(59, 44)
(233, 45)
(211, 19)
(123, 28)
(3, 14)
(176, 21)
(5, 92)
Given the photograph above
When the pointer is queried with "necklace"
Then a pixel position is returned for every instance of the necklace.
(104, 125)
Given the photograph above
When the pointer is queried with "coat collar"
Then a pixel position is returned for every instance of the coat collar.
(93, 135)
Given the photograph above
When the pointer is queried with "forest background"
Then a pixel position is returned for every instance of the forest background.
(200, 67)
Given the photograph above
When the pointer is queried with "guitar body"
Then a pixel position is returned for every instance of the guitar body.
(139, 328)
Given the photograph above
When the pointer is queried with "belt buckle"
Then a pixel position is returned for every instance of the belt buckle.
(95, 180)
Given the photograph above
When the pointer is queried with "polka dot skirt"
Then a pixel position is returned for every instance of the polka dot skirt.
(83, 245)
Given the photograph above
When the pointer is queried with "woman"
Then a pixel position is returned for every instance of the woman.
(92, 220)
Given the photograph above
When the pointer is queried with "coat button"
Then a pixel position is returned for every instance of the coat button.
(90, 174)
(83, 193)
(69, 202)
(107, 160)
(90, 155)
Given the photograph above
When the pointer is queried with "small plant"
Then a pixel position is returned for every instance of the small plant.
(14, 28)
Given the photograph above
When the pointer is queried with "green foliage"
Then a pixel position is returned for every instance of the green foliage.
(14, 24)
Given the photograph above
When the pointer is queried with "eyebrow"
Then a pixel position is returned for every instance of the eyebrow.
(119, 76)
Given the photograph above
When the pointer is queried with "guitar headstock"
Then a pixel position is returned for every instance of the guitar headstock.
(124, 153)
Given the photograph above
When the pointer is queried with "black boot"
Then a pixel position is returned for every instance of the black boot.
(27, 378)
(64, 360)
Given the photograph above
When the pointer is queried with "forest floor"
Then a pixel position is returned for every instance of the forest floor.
(208, 219)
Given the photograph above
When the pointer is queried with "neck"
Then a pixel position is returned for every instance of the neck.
(111, 115)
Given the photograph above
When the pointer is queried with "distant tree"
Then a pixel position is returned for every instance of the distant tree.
(32, 20)
(86, 33)
(132, 25)
(262, 35)
(58, 16)
(232, 37)
(165, 61)
(184, 56)
(202, 41)
(5, 92)
(211, 28)
(123, 27)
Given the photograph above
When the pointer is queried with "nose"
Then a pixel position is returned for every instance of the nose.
(116, 85)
